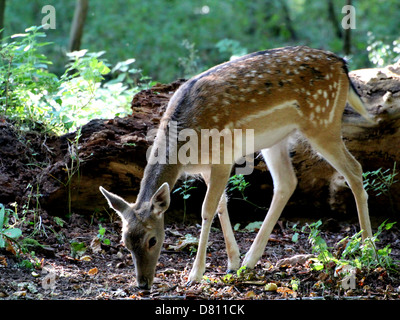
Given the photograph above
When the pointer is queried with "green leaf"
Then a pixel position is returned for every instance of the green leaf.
(177, 190)
(19, 35)
(102, 230)
(13, 233)
(2, 213)
(252, 226)
(317, 266)
(389, 225)
(77, 249)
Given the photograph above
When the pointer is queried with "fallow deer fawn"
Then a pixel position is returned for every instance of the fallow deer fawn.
(276, 93)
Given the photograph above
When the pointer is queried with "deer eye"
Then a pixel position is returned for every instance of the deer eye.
(152, 242)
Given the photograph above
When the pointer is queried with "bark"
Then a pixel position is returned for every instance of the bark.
(2, 11)
(347, 36)
(78, 24)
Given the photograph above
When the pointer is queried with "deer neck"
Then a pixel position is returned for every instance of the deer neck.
(154, 176)
(161, 167)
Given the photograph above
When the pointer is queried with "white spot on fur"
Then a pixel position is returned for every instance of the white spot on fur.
(332, 113)
(264, 113)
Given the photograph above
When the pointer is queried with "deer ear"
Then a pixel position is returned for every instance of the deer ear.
(161, 199)
(115, 202)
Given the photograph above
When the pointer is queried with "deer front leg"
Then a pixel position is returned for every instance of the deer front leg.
(232, 249)
(218, 178)
(285, 181)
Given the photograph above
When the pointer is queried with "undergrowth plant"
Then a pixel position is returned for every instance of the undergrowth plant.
(380, 182)
(184, 191)
(189, 64)
(101, 235)
(25, 82)
(34, 98)
(8, 232)
(238, 183)
(356, 253)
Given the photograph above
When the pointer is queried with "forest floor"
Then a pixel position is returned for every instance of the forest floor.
(83, 259)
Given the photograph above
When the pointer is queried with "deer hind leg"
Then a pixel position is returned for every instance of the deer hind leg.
(285, 182)
(219, 176)
(232, 248)
(336, 153)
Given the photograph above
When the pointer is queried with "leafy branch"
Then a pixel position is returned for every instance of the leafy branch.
(381, 181)
(183, 190)
(238, 182)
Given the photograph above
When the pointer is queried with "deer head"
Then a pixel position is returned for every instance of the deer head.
(143, 230)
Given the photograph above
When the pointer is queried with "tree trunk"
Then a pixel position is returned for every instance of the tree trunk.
(288, 21)
(333, 19)
(347, 37)
(2, 11)
(78, 23)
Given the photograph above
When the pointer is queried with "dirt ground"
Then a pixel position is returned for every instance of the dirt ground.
(95, 270)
